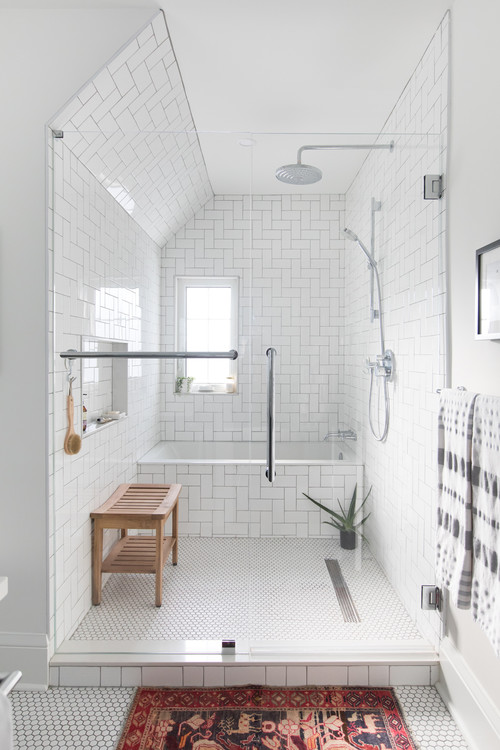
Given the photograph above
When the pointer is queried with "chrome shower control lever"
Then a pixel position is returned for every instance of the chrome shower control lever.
(370, 364)
(383, 365)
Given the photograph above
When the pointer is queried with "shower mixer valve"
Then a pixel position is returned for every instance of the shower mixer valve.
(382, 365)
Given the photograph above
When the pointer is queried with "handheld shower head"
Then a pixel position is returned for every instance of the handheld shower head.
(354, 237)
(349, 233)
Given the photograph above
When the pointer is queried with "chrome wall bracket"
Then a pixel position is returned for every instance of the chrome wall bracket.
(431, 598)
(433, 187)
(58, 134)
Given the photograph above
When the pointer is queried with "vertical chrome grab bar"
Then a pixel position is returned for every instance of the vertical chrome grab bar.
(270, 470)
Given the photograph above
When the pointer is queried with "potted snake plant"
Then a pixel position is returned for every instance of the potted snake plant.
(347, 521)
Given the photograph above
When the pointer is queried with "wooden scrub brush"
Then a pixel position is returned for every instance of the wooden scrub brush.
(72, 441)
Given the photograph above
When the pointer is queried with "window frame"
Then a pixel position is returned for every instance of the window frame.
(182, 283)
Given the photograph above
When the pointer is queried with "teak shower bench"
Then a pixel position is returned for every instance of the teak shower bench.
(136, 506)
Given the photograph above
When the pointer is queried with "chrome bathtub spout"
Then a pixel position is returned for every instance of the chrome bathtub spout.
(341, 435)
(348, 435)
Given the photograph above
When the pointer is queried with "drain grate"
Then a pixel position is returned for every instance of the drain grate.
(345, 600)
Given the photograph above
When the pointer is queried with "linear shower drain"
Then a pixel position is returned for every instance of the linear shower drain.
(345, 600)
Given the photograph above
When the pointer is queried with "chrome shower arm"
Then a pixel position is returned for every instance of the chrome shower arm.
(344, 147)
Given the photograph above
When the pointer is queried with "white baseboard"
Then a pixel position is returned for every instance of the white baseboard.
(472, 709)
(28, 652)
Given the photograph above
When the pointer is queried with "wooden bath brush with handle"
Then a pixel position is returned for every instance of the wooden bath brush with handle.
(72, 441)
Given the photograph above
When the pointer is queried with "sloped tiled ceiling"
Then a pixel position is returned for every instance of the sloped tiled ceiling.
(131, 126)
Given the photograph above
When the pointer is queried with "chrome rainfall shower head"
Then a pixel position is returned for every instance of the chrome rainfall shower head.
(298, 174)
(305, 174)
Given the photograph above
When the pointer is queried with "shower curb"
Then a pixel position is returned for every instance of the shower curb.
(410, 665)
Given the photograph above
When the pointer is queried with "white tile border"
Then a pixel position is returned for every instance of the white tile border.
(210, 675)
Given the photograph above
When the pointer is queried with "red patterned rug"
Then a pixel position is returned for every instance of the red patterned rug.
(265, 718)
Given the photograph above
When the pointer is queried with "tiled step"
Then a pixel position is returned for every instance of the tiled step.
(123, 664)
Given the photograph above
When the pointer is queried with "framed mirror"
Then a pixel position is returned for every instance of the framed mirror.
(488, 291)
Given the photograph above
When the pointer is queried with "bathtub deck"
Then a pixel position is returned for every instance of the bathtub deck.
(258, 589)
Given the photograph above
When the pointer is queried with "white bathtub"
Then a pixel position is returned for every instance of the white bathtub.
(225, 452)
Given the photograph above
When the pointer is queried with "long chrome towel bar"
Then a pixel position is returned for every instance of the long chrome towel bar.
(8, 681)
(270, 470)
(73, 354)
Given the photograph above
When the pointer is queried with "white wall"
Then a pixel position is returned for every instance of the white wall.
(474, 221)
(48, 56)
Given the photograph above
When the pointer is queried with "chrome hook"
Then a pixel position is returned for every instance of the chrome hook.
(68, 364)
(71, 380)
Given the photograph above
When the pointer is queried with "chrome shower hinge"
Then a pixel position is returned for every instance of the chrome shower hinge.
(433, 187)
(431, 597)
(228, 646)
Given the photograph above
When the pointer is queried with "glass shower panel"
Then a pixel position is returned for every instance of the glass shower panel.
(121, 249)
(311, 301)
(297, 305)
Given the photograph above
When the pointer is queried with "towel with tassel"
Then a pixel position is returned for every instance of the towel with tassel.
(454, 523)
(486, 517)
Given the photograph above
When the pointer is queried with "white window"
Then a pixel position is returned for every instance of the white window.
(207, 321)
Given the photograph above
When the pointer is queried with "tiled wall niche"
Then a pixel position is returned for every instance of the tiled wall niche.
(104, 382)
(409, 248)
(105, 285)
(288, 254)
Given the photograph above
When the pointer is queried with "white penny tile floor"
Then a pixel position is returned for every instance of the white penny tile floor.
(84, 718)
(266, 589)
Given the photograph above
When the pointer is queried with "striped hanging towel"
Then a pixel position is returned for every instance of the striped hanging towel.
(486, 517)
(454, 522)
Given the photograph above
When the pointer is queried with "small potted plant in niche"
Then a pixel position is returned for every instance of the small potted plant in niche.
(347, 521)
(183, 385)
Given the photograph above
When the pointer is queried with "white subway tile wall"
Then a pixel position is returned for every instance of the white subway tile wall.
(106, 283)
(237, 499)
(131, 125)
(224, 676)
(288, 255)
(409, 248)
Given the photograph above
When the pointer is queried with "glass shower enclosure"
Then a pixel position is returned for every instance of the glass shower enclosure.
(187, 242)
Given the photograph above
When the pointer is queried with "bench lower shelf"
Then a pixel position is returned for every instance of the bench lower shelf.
(136, 554)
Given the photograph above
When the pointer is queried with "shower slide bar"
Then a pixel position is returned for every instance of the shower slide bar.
(73, 354)
(9, 681)
(271, 469)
